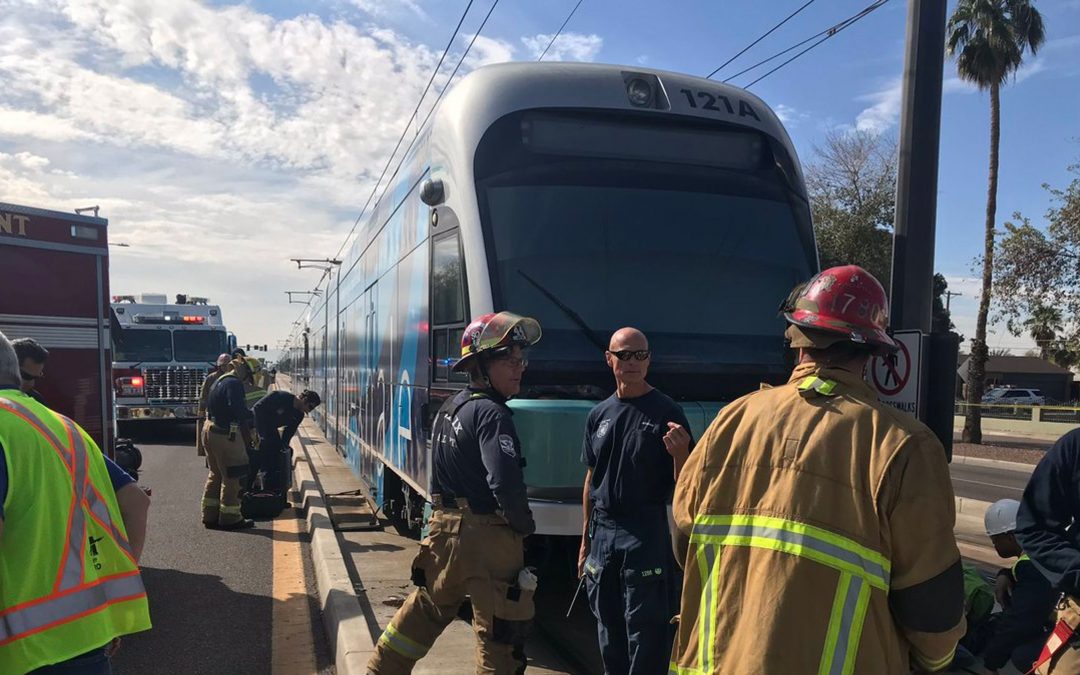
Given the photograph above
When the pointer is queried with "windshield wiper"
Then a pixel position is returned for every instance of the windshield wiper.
(574, 316)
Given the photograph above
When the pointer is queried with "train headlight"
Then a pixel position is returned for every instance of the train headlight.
(639, 92)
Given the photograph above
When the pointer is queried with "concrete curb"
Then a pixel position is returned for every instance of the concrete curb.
(994, 463)
(971, 507)
(346, 627)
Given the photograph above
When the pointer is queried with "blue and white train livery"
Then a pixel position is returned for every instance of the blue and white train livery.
(590, 197)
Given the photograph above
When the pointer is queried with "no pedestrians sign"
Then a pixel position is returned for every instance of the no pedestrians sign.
(898, 377)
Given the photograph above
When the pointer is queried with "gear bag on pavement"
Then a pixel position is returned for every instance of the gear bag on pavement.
(268, 495)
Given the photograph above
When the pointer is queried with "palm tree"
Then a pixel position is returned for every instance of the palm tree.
(989, 39)
(1044, 325)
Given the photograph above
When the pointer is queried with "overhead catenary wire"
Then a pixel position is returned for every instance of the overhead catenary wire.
(829, 32)
(832, 33)
(434, 105)
(559, 32)
(762, 37)
(408, 124)
(405, 154)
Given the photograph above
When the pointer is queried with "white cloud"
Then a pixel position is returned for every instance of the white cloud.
(884, 112)
(1033, 66)
(954, 85)
(567, 47)
(968, 287)
(789, 115)
(381, 8)
(1029, 68)
(1066, 42)
(487, 50)
(30, 161)
(45, 127)
(202, 131)
(965, 308)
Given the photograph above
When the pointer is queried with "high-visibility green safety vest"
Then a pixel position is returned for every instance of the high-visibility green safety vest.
(68, 579)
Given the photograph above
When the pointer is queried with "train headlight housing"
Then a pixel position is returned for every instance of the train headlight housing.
(640, 93)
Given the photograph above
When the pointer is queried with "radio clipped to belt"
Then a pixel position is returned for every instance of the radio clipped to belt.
(514, 608)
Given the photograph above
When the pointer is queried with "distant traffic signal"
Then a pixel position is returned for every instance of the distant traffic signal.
(253, 348)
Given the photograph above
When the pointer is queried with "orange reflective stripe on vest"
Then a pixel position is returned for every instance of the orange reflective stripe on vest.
(71, 597)
(27, 619)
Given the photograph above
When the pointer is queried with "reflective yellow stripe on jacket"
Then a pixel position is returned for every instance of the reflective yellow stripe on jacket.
(860, 568)
(816, 384)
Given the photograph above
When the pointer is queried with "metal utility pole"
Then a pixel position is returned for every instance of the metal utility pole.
(917, 172)
(916, 214)
(949, 295)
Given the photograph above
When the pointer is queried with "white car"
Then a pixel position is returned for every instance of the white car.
(1014, 396)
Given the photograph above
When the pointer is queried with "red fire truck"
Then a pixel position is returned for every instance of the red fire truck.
(56, 272)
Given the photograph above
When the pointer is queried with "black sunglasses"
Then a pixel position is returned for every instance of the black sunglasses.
(626, 354)
(28, 377)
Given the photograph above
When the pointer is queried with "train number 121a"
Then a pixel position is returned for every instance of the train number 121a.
(718, 103)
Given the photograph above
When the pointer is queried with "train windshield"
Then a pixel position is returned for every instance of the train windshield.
(698, 255)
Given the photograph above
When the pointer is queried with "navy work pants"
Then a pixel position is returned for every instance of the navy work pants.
(272, 459)
(633, 587)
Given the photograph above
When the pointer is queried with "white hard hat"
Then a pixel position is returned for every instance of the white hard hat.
(1000, 518)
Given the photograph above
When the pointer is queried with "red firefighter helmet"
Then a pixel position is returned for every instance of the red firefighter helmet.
(846, 301)
(490, 332)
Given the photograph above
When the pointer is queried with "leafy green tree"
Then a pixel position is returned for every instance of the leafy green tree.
(1044, 326)
(1038, 272)
(989, 39)
(852, 186)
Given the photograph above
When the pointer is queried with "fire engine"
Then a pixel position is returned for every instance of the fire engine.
(56, 265)
(162, 351)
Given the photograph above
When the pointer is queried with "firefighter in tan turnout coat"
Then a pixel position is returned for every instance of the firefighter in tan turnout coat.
(816, 523)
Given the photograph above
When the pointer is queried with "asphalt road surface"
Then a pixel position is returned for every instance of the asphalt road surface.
(988, 484)
(212, 594)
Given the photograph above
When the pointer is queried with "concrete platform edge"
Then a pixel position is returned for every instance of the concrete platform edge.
(343, 619)
(993, 463)
(971, 507)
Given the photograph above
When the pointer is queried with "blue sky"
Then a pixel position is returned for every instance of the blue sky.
(222, 138)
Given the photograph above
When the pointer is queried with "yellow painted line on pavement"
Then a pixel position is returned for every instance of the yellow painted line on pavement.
(292, 650)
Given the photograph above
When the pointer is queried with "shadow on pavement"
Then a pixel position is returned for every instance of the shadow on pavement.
(202, 626)
(356, 547)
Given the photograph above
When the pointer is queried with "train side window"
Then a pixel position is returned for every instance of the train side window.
(446, 344)
(448, 307)
(447, 281)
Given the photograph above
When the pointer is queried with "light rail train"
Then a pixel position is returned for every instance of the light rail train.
(590, 197)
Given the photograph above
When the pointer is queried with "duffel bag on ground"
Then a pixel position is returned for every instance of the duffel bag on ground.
(263, 504)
